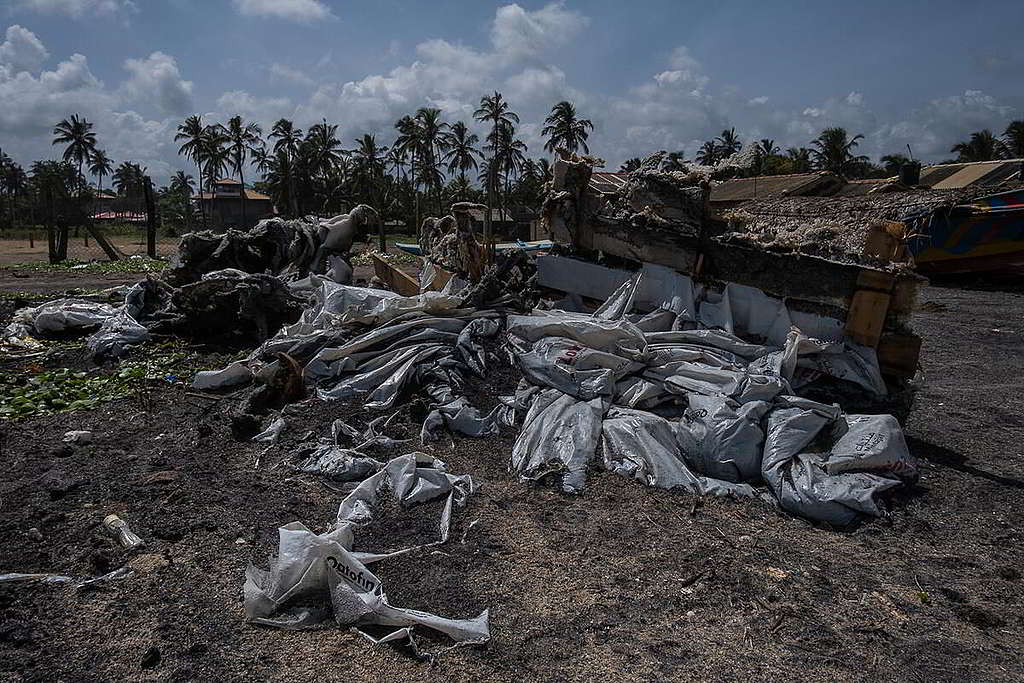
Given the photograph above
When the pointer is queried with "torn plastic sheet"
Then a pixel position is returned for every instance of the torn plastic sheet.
(461, 418)
(116, 575)
(574, 369)
(116, 335)
(313, 569)
(65, 315)
(339, 464)
(54, 317)
(231, 375)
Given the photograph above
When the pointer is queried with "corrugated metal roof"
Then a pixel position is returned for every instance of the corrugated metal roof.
(249, 194)
(858, 188)
(956, 176)
(607, 181)
(793, 185)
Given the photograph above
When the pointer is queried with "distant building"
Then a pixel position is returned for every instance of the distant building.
(513, 224)
(223, 206)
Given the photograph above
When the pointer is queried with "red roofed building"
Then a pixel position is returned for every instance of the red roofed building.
(223, 206)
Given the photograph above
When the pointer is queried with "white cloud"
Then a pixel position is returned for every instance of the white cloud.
(933, 129)
(517, 32)
(263, 110)
(157, 80)
(78, 8)
(22, 50)
(281, 73)
(303, 11)
(33, 104)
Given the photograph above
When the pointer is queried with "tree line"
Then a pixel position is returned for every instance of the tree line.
(835, 150)
(430, 164)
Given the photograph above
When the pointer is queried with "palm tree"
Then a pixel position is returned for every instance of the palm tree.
(708, 154)
(509, 156)
(323, 150)
(983, 146)
(410, 141)
(181, 184)
(215, 154)
(191, 130)
(288, 138)
(674, 161)
(100, 166)
(728, 143)
(368, 177)
(494, 109)
(766, 148)
(279, 178)
(15, 182)
(630, 165)
(799, 159)
(242, 139)
(129, 181)
(435, 141)
(261, 159)
(462, 155)
(77, 134)
(1013, 140)
(565, 130)
(834, 150)
(892, 163)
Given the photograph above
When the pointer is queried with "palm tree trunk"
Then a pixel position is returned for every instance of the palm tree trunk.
(488, 228)
(292, 199)
(416, 197)
(202, 209)
(241, 179)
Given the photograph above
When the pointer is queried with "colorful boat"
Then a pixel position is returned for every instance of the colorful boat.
(983, 236)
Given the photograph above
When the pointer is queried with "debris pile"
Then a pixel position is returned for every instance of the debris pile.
(696, 386)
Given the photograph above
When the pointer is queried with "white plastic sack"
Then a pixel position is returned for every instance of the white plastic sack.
(645, 447)
(560, 435)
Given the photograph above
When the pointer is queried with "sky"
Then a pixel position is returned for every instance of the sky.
(651, 74)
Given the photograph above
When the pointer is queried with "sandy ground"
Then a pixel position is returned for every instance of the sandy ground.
(80, 248)
(623, 582)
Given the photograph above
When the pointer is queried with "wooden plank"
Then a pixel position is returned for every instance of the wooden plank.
(878, 280)
(884, 241)
(112, 252)
(396, 280)
(441, 278)
(866, 318)
(898, 355)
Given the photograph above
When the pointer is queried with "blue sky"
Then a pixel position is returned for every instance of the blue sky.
(651, 74)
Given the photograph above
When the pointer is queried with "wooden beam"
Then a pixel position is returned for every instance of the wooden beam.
(396, 280)
(898, 355)
(112, 252)
(866, 318)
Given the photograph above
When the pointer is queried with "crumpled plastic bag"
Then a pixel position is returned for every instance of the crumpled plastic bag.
(317, 578)
(560, 434)
(798, 448)
(723, 439)
(645, 447)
